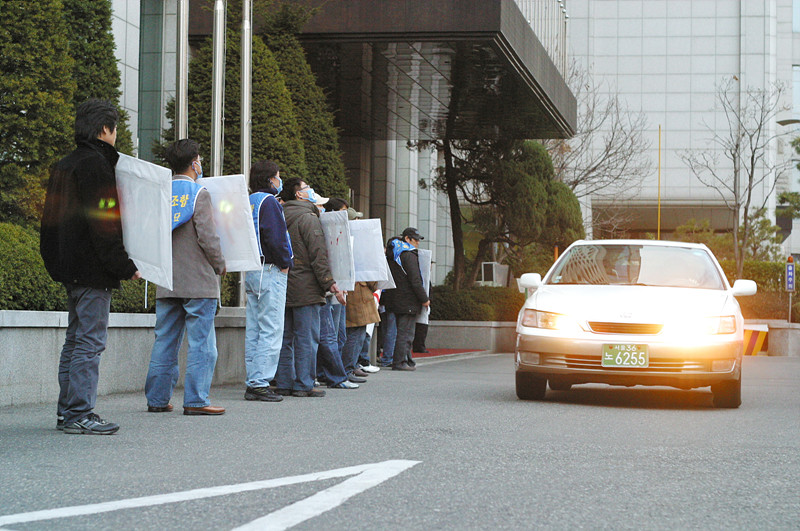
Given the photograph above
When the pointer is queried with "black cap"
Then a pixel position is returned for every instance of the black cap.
(411, 232)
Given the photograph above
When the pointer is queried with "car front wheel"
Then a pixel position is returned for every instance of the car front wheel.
(728, 394)
(530, 386)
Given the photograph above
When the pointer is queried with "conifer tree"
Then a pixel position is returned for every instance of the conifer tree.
(275, 133)
(320, 137)
(36, 113)
(91, 45)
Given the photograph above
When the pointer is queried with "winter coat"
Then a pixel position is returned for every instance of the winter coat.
(361, 309)
(196, 254)
(310, 277)
(81, 232)
(409, 295)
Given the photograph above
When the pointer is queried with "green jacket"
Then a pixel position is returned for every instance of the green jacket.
(310, 277)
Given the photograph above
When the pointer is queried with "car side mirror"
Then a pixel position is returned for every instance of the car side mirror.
(742, 288)
(530, 280)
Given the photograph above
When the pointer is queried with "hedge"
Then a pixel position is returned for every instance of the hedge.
(26, 285)
(768, 275)
(475, 304)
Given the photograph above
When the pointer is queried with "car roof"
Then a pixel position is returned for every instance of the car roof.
(662, 243)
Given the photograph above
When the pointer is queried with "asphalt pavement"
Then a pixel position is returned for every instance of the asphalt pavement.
(448, 446)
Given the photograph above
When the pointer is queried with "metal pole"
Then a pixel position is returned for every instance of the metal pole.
(247, 62)
(659, 182)
(182, 73)
(218, 87)
(247, 122)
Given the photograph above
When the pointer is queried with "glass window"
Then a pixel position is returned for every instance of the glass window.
(637, 265)
(796, 16)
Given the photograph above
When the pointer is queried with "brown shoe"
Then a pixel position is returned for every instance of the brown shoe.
(206, 410)
(159, 409)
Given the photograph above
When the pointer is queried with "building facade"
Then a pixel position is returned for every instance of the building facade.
(667, 59)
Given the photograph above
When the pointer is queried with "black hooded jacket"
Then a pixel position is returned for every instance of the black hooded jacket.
(81, 234)
(409, 295)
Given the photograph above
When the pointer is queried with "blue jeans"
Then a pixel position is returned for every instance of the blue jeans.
(363, 356)
(298, 362)
(174, 317)
(79, 365)
(329, 357)
(340, 323)
(266, 299)
(389, 337)
(352, 347)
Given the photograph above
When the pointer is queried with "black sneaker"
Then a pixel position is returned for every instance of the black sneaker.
(264, 394)
(92, 425)
(283, 392)
(60, 423)
(312, 393)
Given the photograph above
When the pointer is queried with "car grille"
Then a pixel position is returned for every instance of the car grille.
(625, 328)
(573, 361)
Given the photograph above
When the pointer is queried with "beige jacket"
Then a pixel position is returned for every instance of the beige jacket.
(196, 254)
(361, 308)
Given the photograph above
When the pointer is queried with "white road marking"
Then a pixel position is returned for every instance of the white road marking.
(327, 499)
(385, 469)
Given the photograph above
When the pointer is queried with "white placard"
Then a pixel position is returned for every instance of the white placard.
(340, 250)
(425, 262)
(369, 258)
(234, 221)
(144, 194)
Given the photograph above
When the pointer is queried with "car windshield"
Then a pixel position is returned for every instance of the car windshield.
(637, 265)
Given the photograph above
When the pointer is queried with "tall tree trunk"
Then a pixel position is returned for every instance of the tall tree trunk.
(483, 252)
(451, 189)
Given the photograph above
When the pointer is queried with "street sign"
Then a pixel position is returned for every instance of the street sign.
(790, 276)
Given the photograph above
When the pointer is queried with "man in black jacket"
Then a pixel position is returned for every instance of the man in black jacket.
(81, 245)
(408, 298)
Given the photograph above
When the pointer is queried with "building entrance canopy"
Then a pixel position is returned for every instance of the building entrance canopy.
(422, 70)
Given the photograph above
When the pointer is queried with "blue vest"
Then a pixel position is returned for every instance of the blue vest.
(256, 200)
(184, 196)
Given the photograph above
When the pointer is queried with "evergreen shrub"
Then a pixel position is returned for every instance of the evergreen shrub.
(475, 304)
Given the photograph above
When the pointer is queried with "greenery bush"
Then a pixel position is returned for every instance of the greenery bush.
(36, 91)
(768, 275)
(24, 282)
(475, 304)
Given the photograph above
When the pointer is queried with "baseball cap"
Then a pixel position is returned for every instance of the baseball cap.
(352, 214)
(321, 200)
(411, 232)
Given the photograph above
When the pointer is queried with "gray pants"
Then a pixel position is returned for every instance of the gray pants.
(405, 335)
(79, 366)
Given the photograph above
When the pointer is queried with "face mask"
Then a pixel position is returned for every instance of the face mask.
(199, 173)
(279, 188)
(312, 197)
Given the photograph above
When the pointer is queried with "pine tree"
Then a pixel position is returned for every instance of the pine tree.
(320, 137)
(275, 133)
(36, 113)
(91, 45)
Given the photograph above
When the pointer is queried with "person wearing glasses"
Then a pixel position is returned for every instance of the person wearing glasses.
(309, 280)
(408, 298)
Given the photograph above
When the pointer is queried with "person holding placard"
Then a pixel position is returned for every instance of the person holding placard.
(408, 298)
(309, 280)
(81, 246)
(191, 305)
(266, 288)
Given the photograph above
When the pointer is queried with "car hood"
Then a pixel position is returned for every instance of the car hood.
(633, 304)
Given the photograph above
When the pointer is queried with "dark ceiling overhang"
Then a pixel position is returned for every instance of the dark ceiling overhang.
(397, 69)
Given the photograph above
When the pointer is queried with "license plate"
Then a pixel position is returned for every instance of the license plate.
(625, 355)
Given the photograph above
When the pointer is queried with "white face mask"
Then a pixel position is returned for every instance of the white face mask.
(312, 196)
(199, 173)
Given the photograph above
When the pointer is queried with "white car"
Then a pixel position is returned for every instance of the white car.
(632, 312)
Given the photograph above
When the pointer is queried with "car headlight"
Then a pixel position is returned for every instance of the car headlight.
(548, 320)
(706, 326)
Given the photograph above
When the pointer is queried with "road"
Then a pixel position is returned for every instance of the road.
(446, 447)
